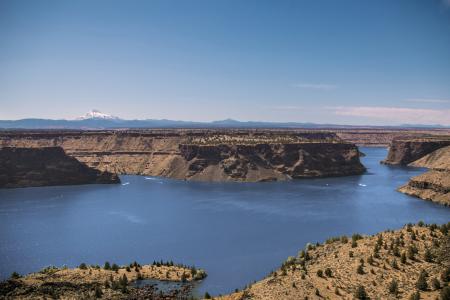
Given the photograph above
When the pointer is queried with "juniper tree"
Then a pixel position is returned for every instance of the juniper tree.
(393, 287)
(421, 283)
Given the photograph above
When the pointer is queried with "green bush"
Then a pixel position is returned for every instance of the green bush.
(83, 266)
(328, 272)
(107, 266)
(361, 293)
(319, 273)
(421, 283)
(445, 293)
(15, 275)
(393, 287)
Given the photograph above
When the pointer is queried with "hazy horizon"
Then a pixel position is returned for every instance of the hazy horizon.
(349, 63)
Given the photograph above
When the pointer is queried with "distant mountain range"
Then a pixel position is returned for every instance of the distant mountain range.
(97, 120)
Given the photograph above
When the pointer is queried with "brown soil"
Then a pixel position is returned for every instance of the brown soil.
(298, 278)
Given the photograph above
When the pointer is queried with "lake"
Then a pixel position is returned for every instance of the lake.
(237, 232)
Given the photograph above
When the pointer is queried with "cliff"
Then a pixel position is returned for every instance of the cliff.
(401, 264)
(403, 151)
(210, 155)
(433, 185)
(26, 167)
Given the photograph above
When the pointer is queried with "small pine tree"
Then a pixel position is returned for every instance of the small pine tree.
(435, 283)
(98, 292)
(445, 275)
(403, 258)
(115, 267)
(421, 283)
(445, 293)
(393, 287)
(394, 264)
(415, 296)
(15, 275)
(360, 270)
(107, 266)
(207, 295)
(428, 257)
(361, 293)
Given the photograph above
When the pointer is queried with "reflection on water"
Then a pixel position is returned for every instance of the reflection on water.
(237, 232)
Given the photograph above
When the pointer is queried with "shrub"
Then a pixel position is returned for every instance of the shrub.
(428, 257)
(128, 269)
(115, 267)
(370, 260)
(445, 293)
(98, 292)
(15, 275)
(350, 253)
(435, 283)
(207, 295)
(328, 272)
(344, 239)
(415, 296)
(83, 266)
(360, 270)
(199, 275)
(354, 244)
(319, 273)
(393, 287)
(445, 275)
(403, 258)
(394, 264)
(421, 283)
(360, 293)
(107, 266)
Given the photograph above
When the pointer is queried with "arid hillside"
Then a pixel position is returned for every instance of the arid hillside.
(411, 263)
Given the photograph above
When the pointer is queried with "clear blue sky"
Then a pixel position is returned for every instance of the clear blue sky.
(347, 62)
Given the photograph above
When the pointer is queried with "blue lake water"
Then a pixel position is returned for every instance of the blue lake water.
(238, 232)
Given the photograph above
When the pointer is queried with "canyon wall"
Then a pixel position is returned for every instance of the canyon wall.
(210, 155)
(433, 185)
(432, 152)
(25, 167)
(403, 151)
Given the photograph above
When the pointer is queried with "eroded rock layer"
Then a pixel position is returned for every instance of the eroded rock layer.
(26, 167)
(404, 151)
(212, 155)
(433, 185)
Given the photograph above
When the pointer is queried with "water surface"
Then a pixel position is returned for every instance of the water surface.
(238, 232)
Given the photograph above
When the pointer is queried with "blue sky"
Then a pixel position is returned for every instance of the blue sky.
(345, 62)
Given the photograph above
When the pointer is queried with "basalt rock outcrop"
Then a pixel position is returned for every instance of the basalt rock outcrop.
(432, 152)
(26, 167)
(405, 151)
(209, 155)
(433, 185)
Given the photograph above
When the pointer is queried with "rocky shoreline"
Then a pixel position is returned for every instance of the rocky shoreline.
(432, 152)
(28, 167)
(202, 155)
(109, 282)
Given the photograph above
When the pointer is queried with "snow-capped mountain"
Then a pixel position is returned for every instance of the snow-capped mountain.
(97, 115)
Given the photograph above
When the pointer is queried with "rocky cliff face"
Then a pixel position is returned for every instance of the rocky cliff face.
(433, 185)
(404, 151)
(25, 167)
(211, 155)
